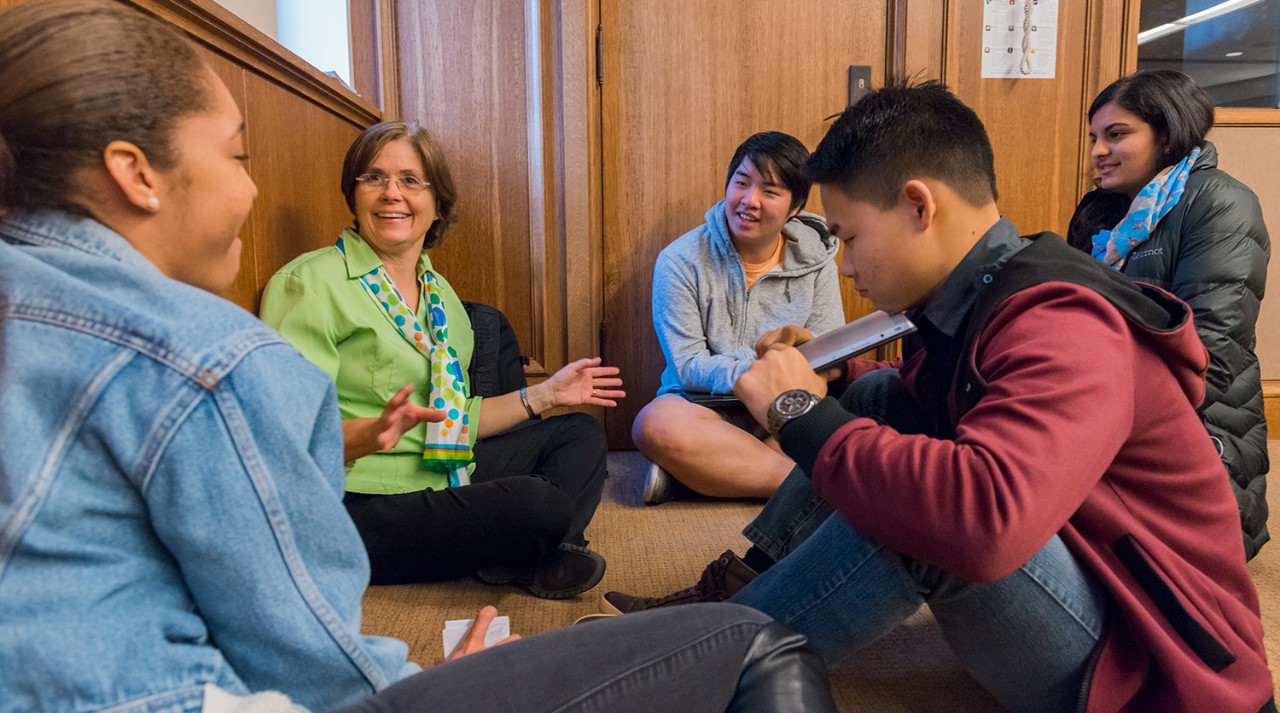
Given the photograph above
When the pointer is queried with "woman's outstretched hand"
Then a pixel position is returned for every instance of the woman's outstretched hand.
(581, 382)
(585, 382)
(362, 436)
(400, 415)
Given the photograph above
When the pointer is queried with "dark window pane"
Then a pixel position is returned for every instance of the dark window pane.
(1235, 56)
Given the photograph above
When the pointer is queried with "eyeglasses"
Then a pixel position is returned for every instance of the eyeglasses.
(408, 184)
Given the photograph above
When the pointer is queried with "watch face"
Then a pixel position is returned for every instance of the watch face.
(794, 402)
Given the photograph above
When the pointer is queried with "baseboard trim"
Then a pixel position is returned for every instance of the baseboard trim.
(1271, 406)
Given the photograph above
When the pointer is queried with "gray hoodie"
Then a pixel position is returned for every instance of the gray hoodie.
(708, 321)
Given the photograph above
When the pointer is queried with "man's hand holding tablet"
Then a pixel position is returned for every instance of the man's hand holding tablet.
(841, 343)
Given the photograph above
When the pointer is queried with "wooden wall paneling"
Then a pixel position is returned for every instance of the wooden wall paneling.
(1248, 142)
(366, 55)
(298, 124)
(295, 157)
(1111, 52)
(511, 97)
(1034, 124)
(373, 53)
(895, 45)
(565, 251)
(463, 75)
(679, 95)
(389, 58)
(593, 30)
(582, 187)
(295, 151)
(1241, 116)
(925, 30)
(1250, 152)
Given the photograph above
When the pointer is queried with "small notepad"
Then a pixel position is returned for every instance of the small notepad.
(455, 629)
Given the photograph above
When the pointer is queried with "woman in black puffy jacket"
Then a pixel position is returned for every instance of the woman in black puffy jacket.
(1163, 213)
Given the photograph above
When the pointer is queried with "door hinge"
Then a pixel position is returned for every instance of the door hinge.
(599, 55)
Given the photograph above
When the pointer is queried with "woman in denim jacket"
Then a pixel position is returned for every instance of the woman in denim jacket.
(172, 536)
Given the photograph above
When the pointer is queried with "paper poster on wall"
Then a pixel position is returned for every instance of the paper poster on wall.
(1019, 38)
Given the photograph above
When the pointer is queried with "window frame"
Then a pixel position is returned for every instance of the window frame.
(373, 64)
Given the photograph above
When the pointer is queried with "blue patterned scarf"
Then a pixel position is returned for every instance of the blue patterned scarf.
(1152, 203)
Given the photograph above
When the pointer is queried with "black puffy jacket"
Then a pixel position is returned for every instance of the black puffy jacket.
(1211, 250)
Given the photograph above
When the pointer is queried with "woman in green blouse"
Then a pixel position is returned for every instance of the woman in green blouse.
(439, 482)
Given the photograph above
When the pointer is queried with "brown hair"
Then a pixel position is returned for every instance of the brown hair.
(76, 75)
(364, 151)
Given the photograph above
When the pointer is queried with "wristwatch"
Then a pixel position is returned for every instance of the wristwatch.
(789, 406)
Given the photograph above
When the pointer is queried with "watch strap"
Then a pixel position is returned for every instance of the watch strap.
(806, 437)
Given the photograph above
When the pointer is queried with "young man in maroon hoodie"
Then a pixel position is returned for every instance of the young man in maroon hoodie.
(1036, 472)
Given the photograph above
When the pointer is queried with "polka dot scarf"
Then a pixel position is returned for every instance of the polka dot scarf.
(448, 443)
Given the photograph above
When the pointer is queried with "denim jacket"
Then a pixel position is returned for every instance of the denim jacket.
(170, 493)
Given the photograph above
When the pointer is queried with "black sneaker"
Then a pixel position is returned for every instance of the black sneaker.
(720, 580)
(567, 571)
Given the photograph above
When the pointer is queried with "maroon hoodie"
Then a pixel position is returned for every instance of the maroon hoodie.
(1087, 428)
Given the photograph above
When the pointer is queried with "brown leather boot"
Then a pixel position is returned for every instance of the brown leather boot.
(720, 580)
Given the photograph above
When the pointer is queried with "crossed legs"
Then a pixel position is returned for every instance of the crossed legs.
(1026, 638)
(707, 453)
(534, 487)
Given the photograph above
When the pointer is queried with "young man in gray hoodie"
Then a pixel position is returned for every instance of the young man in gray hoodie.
(757, 263)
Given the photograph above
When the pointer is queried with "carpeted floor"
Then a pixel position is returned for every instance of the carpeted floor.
(656, 550)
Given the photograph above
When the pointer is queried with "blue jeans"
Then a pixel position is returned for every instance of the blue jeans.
(794, 511)
(1027, 638)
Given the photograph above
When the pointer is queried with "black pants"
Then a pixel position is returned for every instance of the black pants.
(534, 487)
(700, 658)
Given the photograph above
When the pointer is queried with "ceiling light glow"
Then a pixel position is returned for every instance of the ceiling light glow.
(1222, 8)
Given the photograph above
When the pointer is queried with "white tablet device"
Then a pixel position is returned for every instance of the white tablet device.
(856, 337)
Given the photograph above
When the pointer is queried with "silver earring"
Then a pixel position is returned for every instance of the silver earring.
(153, 204)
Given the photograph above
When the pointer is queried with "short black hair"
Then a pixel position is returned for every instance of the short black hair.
(905, 131)
(780, 158)
(1173, 104)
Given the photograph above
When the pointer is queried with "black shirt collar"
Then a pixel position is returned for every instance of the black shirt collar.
(946, 310)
